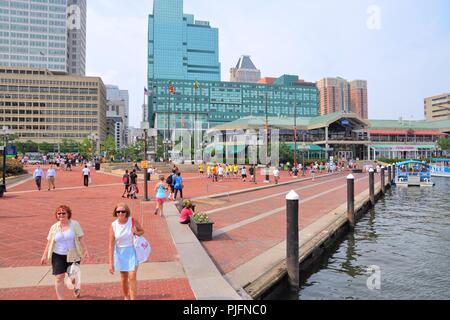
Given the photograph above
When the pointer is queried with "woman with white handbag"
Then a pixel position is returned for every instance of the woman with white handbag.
(122, 252)
(65, 247)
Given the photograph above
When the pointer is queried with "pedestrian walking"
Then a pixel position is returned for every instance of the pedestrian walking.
(122, 254)
(126, 183)
(65, 246)
(37, 175)
(178, 186)
(220, 173)
(133, 182)
(276, 175)
(252, 172)
(150, 172)
(51, 176)
(161, 197)
(244, 173)
(170, 183)
(86, 176)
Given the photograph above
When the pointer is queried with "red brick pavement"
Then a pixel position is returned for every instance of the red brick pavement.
(27, 216)
(236, 247)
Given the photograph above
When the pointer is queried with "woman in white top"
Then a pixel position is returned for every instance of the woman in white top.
(122, 255)
(65, 246)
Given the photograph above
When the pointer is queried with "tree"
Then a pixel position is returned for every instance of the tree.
(45, 147)
(444, 143)
(86, 148)
(286, 154)
(109, 146)
(159, 148)
(69, 146)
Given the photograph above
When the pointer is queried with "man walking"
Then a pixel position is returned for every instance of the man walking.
(133, 179)
(276, 175)
(86, 176)
(51, 175)
(38, 174)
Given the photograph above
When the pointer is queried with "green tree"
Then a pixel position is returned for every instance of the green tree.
(45, 147)
(86, 148)
(69, 146)
(286, 154)
(444, 143)
(159, 148)
(109, 146)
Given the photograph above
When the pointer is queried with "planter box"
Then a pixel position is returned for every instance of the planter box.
(203, 231)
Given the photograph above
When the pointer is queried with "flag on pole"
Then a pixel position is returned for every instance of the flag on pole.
(145, 92)
(197, 85)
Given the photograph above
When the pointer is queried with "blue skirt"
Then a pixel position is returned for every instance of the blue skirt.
(125, 259)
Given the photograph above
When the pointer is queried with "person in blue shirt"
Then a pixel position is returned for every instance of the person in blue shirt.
(178, 185)
(51, 174)
(38, 174)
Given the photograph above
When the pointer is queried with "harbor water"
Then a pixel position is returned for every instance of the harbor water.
(399, 251)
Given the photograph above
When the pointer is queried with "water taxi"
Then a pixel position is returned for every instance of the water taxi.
(413, 174)
(440, 167)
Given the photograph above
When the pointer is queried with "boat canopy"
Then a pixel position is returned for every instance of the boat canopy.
(405, 163)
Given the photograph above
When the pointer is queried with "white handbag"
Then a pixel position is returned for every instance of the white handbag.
(142, 247)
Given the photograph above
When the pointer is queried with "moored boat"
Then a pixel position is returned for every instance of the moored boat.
(413, 174)
(440, 167)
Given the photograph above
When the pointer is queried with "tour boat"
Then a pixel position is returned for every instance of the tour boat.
(413, 174)
(440, 167)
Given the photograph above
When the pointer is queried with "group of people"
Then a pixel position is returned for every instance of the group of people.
(220, 172)
(50, 175)
(66, 246)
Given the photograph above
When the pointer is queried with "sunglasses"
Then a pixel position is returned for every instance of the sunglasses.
(121, 211)
(61, 213)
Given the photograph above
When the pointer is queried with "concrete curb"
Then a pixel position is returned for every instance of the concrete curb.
(206, 282)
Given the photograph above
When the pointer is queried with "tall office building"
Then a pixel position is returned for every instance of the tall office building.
(76, 40)
(359, 98)
(179, 47)
(339, 95)
(245, 71)
(43, 34)
(437, 107)
(44, 107)
(334, 95)
(117, 114)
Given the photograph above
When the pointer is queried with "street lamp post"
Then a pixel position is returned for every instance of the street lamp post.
(5, 132)
(94, 138)
(267, 140)
(295, 134)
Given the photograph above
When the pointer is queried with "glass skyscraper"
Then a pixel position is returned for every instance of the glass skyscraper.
(43, 34)
(184, 53)
(181, 48)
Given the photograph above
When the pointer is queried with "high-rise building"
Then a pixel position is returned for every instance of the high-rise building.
(339, 95)
(334, 95)
(117, 114)
(44, 107)
(76, 37)
(44, 34)
(179, 47)
(437, 107)
(359, 98)
(245, 71)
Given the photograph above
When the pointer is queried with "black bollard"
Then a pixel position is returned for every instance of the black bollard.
(351, 200)
(372, 186)
(146, 185)
(383, 180)
(390, 174)
(292, 246)
(394, 169)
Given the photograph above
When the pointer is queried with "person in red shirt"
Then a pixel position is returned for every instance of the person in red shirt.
(186, 213)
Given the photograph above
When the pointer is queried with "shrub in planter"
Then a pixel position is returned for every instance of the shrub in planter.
(202, 226)
(13, 167)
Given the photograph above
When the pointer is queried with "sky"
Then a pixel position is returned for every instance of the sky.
(401, 47)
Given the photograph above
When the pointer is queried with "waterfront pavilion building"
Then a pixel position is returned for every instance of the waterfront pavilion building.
(341, 135)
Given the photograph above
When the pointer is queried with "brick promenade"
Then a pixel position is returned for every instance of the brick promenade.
(246, 225)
